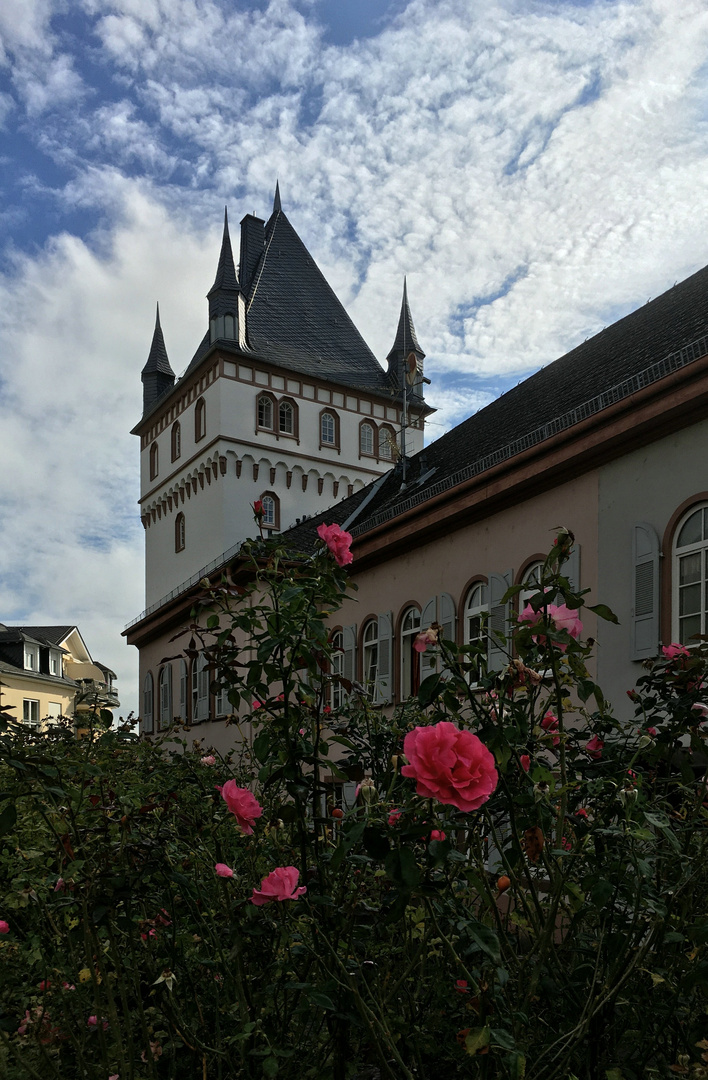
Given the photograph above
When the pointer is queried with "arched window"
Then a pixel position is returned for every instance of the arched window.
(476, 612)
(329, 428)
(179, 532)
(271, 510)
(388, 447)
(154, 461)
(410, 658)
(199, 420)
(690, 576)
(370, 653)
(531, 582)
(367, 439)
(337, 668)
(265, 412)
(165, 683)
(286, 418)
(148, 696)
(176, 440)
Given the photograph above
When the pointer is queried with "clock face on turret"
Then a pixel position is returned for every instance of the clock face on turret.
(411, 367)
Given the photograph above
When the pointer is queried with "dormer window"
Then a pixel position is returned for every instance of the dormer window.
(31, 657)
(55, 663)
(229, 327)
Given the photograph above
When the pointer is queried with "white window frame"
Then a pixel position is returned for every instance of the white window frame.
(30, 713)
(286, 418)
(55, 663)
(366, 426)
(328, 429)
(410, 657)
(265, 412)
(268, 504)
(370, 654)
(149, 703)
(681, 552)
(165, 685)
(31, 657)
(337, 668)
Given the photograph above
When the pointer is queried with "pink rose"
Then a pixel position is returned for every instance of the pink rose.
(594, 747)
(450, 765)
(550, 724)
(425, 638)
(4, 927)
(209, 759)
(281, 884)
(222, 870)
(525, 762)
(394, 816)
(582, 812)
(256, 705)
(242, 804)
(436, 834)
(562, 617)
(337, 541)
(671, 652)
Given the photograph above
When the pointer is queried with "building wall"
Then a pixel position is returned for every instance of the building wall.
(46, 691)
(216, 480)
(646, 485)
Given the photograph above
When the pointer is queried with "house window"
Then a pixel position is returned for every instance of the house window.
(179, 532)
(154, 461)
(329, 428)
(370, 653)
(55, 663)
(388, 447)
(200, 689)
(30, 712)
(531, 582)
(199, 420)
(690, 576)
(410, 659)
(476, 612)
(148, 696)
(166, 696)
(286, 418)
(337, 668)
(183, 690)
(31, 657)
(367, 439)
(176, 440)
(265, 412)
(55, 710)
(271, 510)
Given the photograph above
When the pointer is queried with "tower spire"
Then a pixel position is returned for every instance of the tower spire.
(225, 271)
(157, 375)
(276, 199)
(406, 340)
(223, 296)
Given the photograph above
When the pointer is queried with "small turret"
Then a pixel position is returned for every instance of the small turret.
(405, 360)
(224, 294)
(157, 375)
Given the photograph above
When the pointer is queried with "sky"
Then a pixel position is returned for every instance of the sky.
(537, 170)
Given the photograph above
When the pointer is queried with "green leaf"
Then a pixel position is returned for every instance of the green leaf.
(486, 939)
(270, 1067)
(402, 868)
(601, 893)
(8, 817)
(517, 1066)
(347, 843)
(323, 1000)
(614, 1074)
(477, 1039)
(376, 844)
(428, 689)
(604, 612)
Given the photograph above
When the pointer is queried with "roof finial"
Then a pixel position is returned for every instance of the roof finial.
(276, 199)
(225, 271)
(157, 316)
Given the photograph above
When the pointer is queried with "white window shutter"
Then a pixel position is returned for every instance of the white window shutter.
(499, 617)
(645, 592)
(349, 794)
(428, 659)
(571, 569)
(447, 617)
(183, 686)
(383, 694)
(202, 689)
(349, 653)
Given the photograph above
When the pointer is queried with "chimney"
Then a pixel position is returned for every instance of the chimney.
(252, 244)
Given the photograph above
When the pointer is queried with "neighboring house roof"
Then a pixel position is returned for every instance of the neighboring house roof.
(664, 335)
(50, 635)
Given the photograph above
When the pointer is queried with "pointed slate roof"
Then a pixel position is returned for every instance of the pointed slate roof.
(406, 339)
(225, 271)
(157, 357)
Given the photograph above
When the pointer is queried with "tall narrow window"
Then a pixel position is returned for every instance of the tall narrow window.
(337, 668)
(367, 444)
(370, 653)
(199, 420)
(30, 713)
(200, 688)
(148, 695)
(165, 696)
(531, 584)
(154, 461)
(179, 532)
(271, 510)
(690, 577)
(410, 659)
(387, 443)
(183, 690)
(286, 418)
(176, 440)
(327, 429)
(229, 327)
(476, 612)
(265, 413)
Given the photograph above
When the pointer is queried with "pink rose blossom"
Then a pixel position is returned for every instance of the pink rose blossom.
(338, 543)
(582, 812)
(436, 834)
(222, 870)
(562, 617)
(394, 816)
(4, 927)
(450, 765)
(461, 986)
(550, 724)
(425, 638)
(651, 731)
(281, 884)
(673, 651)
(242, 804)
(594, 747)
(525, 762)
(68, 986)
(44, 984)
(93, 1023)
(256, 705)
(208, 759)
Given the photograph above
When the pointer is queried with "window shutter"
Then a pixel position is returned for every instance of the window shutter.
(645, 592)
(447, 617)
(183, 689)
(571, 570)
(166, 696)
(384, 682)
(349, 794)
(202, 689)
(147, 703)
(349, 653)
(499, 617)
(428, 659)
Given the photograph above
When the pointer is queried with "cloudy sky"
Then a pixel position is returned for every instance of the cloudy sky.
(536, 169)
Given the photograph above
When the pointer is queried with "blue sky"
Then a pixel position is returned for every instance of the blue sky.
(536, 170)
